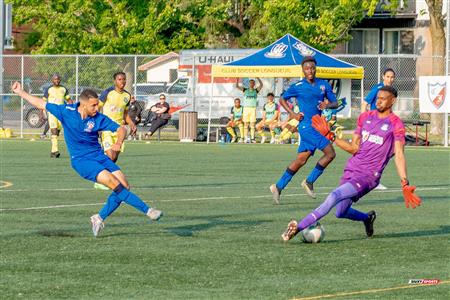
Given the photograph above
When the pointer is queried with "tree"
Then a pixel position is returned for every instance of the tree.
(438, 49)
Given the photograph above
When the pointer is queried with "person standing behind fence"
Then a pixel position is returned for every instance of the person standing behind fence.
(236, 121)
(370, 102)
(271, 115)
(159, 115)
(250, 103)
(116, 101)
(56, 94)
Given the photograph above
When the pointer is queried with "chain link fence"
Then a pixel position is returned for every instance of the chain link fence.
(187, 86)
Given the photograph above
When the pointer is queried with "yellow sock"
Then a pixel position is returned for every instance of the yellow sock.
(54, 140)
(245, 132)
(252, 133)
(241, 130)
(284, 132)
(261, 133)
(272, 133)
(286, 136)
(231, 131)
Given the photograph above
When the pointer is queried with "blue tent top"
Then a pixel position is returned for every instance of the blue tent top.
(289, 51)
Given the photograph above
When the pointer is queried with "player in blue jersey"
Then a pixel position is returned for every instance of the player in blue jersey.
(313, 95)
(82, 122)
(370, 102)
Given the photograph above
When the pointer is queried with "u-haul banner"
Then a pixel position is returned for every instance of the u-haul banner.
(434, 94)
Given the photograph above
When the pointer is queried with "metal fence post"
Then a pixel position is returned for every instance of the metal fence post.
(21, 99)
(76, 78)
(135, 76)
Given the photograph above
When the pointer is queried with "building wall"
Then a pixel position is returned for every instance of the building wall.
(161, 73)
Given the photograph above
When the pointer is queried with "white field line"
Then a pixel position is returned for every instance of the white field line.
(204, 199)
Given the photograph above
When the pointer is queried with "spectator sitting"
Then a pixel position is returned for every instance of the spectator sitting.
(159, 115)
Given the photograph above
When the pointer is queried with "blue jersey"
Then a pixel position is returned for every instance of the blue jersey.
(309, 97)
(81, 135)
(371, 99)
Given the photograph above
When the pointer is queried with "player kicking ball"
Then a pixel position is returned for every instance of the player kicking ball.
(82, 122)
(379, 135)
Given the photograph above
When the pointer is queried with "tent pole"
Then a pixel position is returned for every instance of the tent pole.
(210, 106)
(362, 93)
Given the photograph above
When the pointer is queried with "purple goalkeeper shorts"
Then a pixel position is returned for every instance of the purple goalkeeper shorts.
(361, 182)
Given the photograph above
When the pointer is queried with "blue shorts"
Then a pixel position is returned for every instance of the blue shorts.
(311, 140)
(90, 167)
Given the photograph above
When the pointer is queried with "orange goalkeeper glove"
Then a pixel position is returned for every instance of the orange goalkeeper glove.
(321, 125)
(411, 199)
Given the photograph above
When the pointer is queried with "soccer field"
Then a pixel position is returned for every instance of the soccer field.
(220, 237)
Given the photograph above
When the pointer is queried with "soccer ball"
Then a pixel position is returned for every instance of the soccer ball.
(313, 234)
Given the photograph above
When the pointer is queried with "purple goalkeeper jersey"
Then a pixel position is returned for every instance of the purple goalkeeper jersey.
(377, 145)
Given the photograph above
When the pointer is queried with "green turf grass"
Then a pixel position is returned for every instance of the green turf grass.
(220, 237)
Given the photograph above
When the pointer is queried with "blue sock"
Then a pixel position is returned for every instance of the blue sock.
(315, 173)
(285, 179)
(355, 215)
(130, 198)
(112, 203)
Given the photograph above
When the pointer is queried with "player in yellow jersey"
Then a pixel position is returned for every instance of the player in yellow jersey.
(270, 118)
(116, 101)
(56, 94)
(236, 121)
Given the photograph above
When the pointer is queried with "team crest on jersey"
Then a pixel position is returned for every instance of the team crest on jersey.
(436, 93)
(303, 49)
(126, 100)
(322, 88)
(385, 127)
(89, 126)
(277, 51)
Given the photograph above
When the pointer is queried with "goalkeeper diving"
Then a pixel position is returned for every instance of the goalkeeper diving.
(379, 135)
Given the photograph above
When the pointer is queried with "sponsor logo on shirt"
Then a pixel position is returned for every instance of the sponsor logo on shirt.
(385, 127)
(373, 138)
(89, 126)
(277, 51)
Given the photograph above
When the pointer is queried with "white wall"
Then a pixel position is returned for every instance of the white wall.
(160, 73)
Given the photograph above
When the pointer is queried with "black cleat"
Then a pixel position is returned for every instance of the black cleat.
(369, 223)
(55, 154)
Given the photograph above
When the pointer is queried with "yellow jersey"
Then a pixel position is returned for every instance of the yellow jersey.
(115, 103)
(56, 94)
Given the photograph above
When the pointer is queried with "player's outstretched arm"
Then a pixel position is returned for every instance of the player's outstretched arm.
(238, 86)
(121, 133)
(35, 101)
(260, 84)
(411, 199)
(352, 147)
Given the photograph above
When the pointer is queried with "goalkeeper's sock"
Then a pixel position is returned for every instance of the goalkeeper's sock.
(315, 173)
(130, 198)
(112, 203)
(231, 131)
(285, 179)
(355, 215)
(54, 140)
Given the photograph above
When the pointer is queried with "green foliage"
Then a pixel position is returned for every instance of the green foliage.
(159, 26)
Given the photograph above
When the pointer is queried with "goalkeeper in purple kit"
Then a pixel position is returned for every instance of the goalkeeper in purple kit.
(379, 135)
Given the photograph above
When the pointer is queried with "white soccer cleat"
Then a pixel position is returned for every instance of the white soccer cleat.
(263, 139)
(99, 186)
(309, 189)
(154, 214)
(97, 224)
(272, 140)
(276, 194)
(380, 187)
